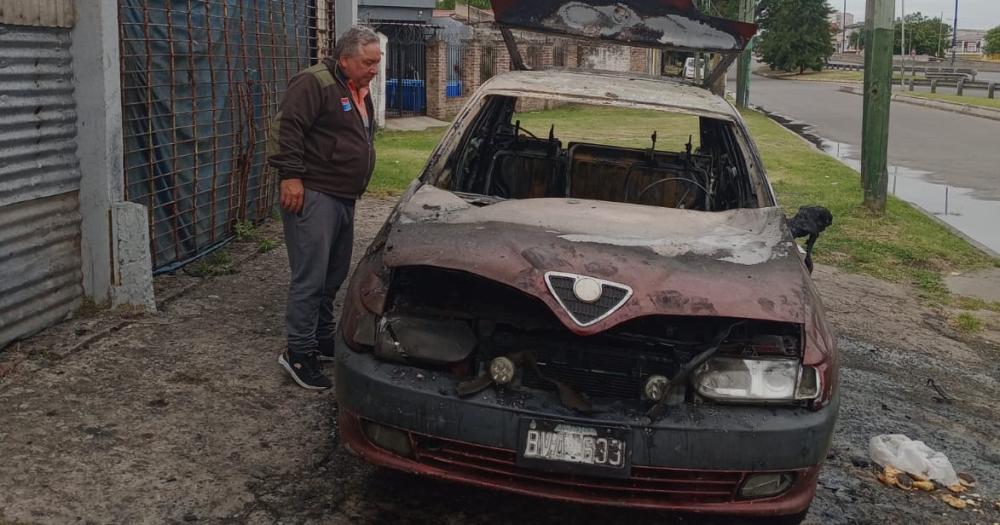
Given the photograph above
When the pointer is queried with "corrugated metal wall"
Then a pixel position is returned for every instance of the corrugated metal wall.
(49, 13)
(40, 267)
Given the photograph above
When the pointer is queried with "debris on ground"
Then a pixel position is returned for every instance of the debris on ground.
(953, 501)
(913, 457)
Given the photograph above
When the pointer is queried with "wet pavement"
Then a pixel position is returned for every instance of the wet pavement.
(945, 163)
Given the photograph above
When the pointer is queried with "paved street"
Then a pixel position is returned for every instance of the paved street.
(927, 145)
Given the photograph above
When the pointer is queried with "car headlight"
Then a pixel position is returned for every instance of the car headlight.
(735, 379)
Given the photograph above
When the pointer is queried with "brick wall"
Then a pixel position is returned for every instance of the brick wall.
(437, 79)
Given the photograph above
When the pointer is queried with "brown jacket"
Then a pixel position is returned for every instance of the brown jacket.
(320, 137)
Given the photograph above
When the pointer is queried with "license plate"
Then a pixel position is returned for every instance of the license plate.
(561, 446)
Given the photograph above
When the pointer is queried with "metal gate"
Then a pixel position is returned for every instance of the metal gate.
(40, 262)
(200, 81)
(406, 69)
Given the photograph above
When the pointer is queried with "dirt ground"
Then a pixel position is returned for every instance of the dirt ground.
(184, 416)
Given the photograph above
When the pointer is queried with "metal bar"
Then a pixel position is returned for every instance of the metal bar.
(194, 122)
(215, 128)
(515, 54)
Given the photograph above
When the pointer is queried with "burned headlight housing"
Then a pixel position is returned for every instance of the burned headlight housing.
(415, 339)
(756, 380)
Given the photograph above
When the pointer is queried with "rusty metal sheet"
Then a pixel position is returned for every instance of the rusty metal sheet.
(44, 13)
(666, 24)
(741, 263)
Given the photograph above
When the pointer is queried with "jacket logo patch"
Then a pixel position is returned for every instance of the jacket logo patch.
(345, 103)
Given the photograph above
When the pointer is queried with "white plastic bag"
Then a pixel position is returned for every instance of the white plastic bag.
(912, 457)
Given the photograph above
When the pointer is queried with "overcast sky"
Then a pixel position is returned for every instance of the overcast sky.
(972, 14)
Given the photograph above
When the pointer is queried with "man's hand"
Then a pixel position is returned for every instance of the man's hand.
(292, 195)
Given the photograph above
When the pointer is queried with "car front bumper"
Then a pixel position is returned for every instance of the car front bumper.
(693, 459)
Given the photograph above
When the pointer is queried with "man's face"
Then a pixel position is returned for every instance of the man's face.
(362, 67)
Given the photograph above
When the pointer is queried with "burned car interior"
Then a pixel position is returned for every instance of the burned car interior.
(499, 158)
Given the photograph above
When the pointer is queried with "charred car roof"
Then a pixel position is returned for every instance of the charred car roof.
(611, 89)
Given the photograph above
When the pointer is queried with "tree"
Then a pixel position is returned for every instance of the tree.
(857, 40)
(926, 36)
(993, 41)
(795, 34)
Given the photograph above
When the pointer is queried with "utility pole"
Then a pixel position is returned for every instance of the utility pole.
(954, 35)
(843, 29)
(747, 14)
(902, 42)
(940, 33)
(878, 93)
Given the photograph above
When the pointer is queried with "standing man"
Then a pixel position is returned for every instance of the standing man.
(322, 144)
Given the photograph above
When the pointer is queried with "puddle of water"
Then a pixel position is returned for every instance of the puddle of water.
(955, 206)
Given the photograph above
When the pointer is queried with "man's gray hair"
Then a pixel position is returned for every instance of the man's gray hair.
(351, 42)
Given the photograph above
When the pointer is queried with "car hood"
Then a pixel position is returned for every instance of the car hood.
(740, 263)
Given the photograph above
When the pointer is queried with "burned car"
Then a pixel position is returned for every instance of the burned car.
(591, 322)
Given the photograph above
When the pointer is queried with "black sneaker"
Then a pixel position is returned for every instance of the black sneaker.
(326, 349)
(304, 369)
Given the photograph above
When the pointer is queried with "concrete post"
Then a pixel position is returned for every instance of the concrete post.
(378, 84)
(114, 245)
(961, 87)
(991, 90)
(910, 84)
(934, 85)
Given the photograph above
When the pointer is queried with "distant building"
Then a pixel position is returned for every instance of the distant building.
(970, 41)
(839, 20)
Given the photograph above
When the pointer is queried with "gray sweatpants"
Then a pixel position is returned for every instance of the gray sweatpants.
(320, 240)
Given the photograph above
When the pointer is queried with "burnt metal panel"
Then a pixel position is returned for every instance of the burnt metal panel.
(40, 267)
(668, 24)
(45, 13)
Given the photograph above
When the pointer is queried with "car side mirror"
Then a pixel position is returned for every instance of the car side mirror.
(809, 222)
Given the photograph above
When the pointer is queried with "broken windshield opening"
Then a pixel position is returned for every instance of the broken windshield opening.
(524, 148)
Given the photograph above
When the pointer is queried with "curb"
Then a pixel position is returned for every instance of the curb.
(815, 81)
(964, 109)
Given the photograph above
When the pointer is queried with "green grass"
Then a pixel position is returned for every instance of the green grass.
(827, 75)
(968, 323)
(217, 263)
(992, 103)
(904, 245)
(975, 303)
(401, 156)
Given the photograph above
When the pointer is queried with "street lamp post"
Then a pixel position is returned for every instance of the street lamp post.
(954, 35)
(843, 29)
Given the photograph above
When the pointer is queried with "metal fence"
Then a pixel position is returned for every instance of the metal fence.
(406, 68)
(456, 57)
(491, 65)
(201, 80)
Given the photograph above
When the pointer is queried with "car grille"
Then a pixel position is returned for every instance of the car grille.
(586, 313)
(602, 367)
(645, 483)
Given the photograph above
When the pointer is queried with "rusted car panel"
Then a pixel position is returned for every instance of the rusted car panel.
(738, 263)
(674, 24)
(610, 89)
